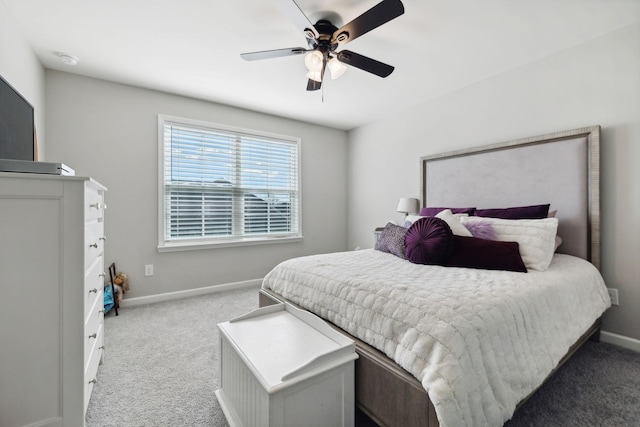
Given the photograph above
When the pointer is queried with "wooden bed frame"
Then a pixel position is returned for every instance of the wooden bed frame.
(387, 394)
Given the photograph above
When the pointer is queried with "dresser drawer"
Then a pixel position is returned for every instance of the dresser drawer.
(91, 370)
(93, 284)
(94, 204)
(93, 324)
(93, 242)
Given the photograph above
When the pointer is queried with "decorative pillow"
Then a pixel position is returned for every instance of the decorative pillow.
(536, 237)
(411, 219)
(435, 211)
(520, 212)
(428, 241)
(471, 252)
(481, 229)
(391, 240)
(453, 220)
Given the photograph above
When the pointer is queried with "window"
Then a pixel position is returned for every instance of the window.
(222, 185)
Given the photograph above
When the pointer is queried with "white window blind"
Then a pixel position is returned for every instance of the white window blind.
(225, 184)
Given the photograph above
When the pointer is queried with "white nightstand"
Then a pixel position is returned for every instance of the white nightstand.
(376, 234)
(281, 366)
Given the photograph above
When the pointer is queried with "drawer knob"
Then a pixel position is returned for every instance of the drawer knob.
(101, 347)
(103, 238)
(93, 381)
(98, 206)
(94, 335)
(93, 245)
(101, 274)
(101, 311)
(95, 290)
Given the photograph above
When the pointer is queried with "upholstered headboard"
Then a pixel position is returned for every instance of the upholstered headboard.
(561, 168)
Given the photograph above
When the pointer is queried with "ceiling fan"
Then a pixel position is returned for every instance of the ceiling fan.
(324, 38)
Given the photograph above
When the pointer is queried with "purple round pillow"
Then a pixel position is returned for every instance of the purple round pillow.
(429, 241)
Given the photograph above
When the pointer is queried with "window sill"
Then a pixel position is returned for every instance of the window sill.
(192, 246)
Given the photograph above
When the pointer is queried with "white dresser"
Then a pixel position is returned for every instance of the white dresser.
(51, 300)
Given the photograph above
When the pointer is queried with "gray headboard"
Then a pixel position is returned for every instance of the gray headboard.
(561, 168)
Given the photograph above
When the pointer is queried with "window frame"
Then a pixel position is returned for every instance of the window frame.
(228, 241)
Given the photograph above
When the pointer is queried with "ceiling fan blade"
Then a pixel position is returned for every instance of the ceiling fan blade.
(379, 14)
(313, 85)
(276, 53)
(297, 16)
(364, 63)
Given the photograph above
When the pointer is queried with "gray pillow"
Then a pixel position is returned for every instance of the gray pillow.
(391, 240)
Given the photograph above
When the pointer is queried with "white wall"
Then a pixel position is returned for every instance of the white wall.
(109, 131)
(22, 69)
(595, 83)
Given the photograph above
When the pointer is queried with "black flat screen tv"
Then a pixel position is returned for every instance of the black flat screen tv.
(17, 128)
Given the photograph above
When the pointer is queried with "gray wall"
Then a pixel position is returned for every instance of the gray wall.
(595, 83)
(109, 131)
(22, 69)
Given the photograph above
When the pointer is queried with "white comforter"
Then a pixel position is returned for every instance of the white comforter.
(479, 341)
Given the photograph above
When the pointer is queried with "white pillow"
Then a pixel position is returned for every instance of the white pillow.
(536, 237)
(454, 222)
(412, 218)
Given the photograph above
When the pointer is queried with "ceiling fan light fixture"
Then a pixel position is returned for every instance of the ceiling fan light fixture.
(315, 75)
(323, 38)
(313, 60)
(336, 68)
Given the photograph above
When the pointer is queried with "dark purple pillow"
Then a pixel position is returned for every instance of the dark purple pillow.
(472, 252)
(428, 241)
(435, 211)
(520, 212)
(391, 240)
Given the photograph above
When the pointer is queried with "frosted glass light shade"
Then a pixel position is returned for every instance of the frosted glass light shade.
(313, 60)
(315, 75)
(336, 67)
(408, 205)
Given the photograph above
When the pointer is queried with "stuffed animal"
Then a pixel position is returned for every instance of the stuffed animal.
(121, 283)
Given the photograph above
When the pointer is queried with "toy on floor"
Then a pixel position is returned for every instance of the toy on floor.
(121, 283)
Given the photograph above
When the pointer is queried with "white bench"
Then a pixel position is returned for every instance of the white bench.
(282, 366)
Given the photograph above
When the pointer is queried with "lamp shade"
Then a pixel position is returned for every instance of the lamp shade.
(314, 75)
(336, 68)
(408, 205)
(314, 60)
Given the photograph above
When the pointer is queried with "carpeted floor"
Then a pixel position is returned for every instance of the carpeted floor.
(598, 386)
(161, 366)
(161, 369)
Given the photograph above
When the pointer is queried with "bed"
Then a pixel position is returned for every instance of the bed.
(449, 345)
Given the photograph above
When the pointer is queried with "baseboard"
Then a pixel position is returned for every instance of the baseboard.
(620, 340)
(131, 302)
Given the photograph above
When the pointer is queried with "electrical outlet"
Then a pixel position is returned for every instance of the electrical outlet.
(148, 270)
(613, 294)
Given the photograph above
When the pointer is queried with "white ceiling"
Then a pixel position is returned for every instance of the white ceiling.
(192, 47)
